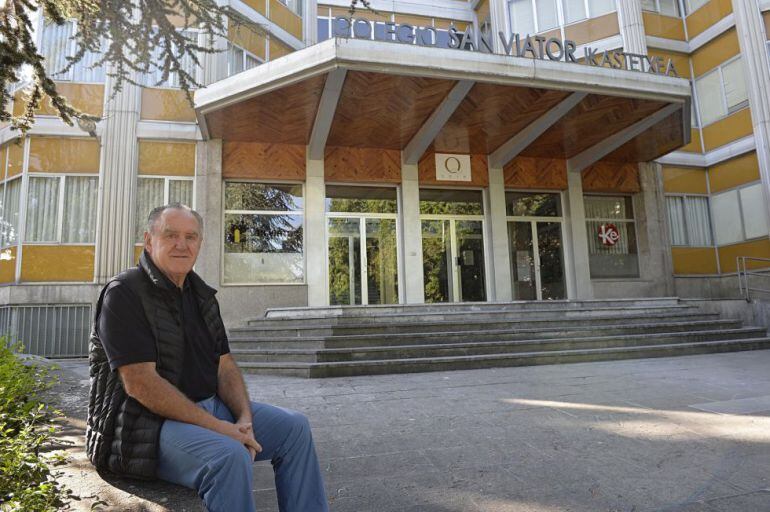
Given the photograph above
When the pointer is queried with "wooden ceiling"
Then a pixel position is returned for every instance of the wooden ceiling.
(384, 111)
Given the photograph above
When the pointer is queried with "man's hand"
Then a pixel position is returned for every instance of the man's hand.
(243, 433)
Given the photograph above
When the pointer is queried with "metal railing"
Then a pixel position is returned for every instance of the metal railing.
(745, 287)
(49, 330)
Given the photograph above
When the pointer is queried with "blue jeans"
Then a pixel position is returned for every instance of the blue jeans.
(220, 468)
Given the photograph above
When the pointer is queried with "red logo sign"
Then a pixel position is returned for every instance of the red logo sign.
(609, 234)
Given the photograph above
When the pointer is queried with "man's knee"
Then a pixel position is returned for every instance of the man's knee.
(234, 456)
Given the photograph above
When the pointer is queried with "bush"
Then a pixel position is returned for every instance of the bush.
(26, 433)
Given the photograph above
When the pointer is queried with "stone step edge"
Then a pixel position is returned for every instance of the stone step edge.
(389, 316)
(513, 343)
(255, 329)
(257, 339)
(522, 355)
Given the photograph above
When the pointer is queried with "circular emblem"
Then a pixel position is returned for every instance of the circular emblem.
(452, 165)
(609, 234)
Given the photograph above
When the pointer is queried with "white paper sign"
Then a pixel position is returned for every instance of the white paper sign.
(453, 167)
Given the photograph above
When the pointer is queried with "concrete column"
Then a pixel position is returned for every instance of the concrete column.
(208, 202)
(117, 180)
(752, 37)
(309, 23)
(498, 13)
(654, 250)
(315, 234)
(499, 229)
(411, 233)
(632, 26)
(579, 273)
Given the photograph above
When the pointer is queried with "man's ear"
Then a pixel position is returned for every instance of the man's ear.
(148, 242)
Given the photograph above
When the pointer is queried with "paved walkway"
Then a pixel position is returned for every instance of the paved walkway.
(676, 434)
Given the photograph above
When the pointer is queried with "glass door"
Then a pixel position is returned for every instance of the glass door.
(535, 245)
(362, 245)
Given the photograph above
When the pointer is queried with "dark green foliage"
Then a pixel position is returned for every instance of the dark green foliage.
(27, 428)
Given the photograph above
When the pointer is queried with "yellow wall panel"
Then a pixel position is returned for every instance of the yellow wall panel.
(258, 5)
(15, 157)
(59, 154)
(715, 52)
(681, 61)
(667, 27)
(694, 146)
(445, 24)
(729, 129)
(286, 19)
(54, 263)
(707, 15)
(482, 11)
(137, 252)
(416, 21)
(252, 39)
(694, 260)
(766, 16)
(3, 161)
(729, 174)
(166, 158)
(8, 265)
(756, 248)
(593, 29)
(278, 49)
(685, 180)
(88, 98)
(166, 105)
(18, 103)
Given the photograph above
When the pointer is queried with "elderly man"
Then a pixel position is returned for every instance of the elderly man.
(167, 399)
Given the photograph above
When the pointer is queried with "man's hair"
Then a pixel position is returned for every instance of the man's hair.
(152, 218)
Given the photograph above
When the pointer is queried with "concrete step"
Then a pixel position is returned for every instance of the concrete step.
(411, 316)
(386, 309)
(391, 366)
(491, 347)
(471, 324)
(399, 339)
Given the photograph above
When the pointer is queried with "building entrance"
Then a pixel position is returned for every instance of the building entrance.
(535, 244)
(453, 245)
(362, 245)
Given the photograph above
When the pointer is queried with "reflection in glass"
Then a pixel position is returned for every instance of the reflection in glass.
(361, 199)
(381, 261)
(470, 260)
(259, 197)
(263, 248)
(344, 261)
(454, 202)
(549, 248)
(522, 260)
(619, 260)
(9, 214)
(437, 260)
(526, 204)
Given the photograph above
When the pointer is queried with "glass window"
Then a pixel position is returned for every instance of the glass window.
(574, 10)
(451, 202)
(689, 220)
(361, 199)
(669, 7)
(263, 233)
(754, 211)
(735, 85)
(156, 78)
(9, 213)
(522, 17)
(152, 192)
(42, 209)
(234, 59)
(612, 251)
(694, 5)
(727, 217)
(56, 44)
(710, 103)
(80, 204)
(600, 7)
(323, 29)
(527, 204)
(547, 16)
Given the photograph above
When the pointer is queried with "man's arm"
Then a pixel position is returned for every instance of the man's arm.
(142, 382)
(232, 390)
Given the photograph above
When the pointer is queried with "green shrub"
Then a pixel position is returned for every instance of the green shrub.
(27, 429)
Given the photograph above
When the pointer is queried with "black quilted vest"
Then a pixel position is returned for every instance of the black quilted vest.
(121, 434)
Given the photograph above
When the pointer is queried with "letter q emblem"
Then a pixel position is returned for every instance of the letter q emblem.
(452, 165)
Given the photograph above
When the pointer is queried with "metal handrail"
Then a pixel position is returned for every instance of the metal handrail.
(743, 276)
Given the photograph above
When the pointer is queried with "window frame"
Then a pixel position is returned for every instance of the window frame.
(723, 94)
(59, 208)
(245, 53)
(658, 11)
(689, 243)
(167, 178)
(626, 220)
(561, 19)
(147, 83)
(71, 50)
(225, 212)
(3, 206)
(737, 189)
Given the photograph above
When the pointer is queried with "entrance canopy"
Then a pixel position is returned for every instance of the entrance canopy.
(375, 94)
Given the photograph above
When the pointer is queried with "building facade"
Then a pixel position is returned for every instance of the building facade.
(430, 151)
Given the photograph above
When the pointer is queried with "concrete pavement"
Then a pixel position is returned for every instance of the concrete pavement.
(680, 434)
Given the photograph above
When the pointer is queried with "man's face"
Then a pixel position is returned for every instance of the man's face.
(174, 243)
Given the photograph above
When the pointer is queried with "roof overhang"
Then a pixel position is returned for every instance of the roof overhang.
(289, 100)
